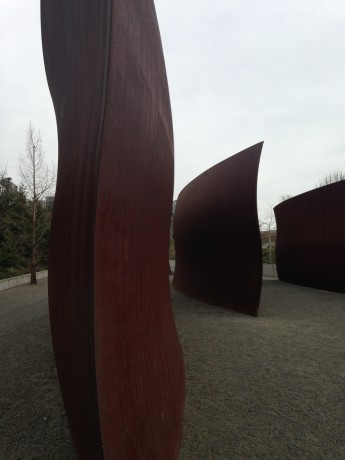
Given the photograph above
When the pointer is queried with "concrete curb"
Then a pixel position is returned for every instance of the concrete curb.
(8, 283)
(269, 270)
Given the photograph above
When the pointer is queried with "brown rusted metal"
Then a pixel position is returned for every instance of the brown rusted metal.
(310, 248)
(217, 237)
(118, 356)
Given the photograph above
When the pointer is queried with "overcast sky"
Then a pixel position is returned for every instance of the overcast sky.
(239, 71)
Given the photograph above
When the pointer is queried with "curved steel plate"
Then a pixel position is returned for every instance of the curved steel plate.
(118, 356)
(217, 237)
(310, 248)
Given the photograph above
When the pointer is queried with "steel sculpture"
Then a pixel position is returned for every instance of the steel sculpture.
(118, 356)
(310, 247)
(217, 237)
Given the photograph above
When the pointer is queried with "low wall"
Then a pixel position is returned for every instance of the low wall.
(8, 283)
(269, 270)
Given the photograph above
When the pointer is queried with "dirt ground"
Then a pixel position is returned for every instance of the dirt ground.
(270, 387)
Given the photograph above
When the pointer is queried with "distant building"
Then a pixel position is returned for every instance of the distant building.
(49, 201)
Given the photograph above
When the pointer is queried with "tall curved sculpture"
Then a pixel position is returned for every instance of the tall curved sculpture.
(118, 356)
(217, 236)
(310, 247)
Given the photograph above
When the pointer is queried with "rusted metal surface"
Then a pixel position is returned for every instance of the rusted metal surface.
(217, 237)
(118, 356)
(310, 248)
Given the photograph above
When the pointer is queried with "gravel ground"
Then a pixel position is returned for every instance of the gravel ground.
(33, 424)
(270, 387)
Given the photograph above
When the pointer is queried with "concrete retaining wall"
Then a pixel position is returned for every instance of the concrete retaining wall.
(8, 283)
(269, 270)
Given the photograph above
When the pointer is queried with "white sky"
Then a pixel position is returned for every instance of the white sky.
(240, 71)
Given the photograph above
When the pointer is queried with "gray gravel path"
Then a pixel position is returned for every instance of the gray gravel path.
(33, 424)
(270, 387)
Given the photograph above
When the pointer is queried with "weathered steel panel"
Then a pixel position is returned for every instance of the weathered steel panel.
(118, 356)
(217, 236)
(310, 248)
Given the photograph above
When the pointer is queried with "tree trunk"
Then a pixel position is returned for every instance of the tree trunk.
(33, 266)
(33, 279)
(34, 257)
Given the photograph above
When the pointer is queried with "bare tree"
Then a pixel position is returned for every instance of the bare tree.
(334, 176)
(268, 220)
(285, 197)
(38, 178)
